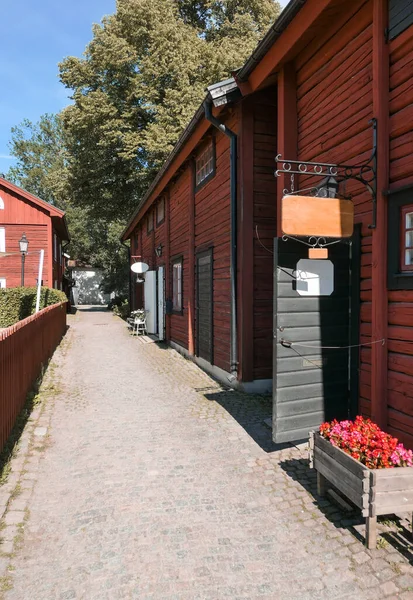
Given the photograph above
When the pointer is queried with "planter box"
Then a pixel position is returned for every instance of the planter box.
(374, 491)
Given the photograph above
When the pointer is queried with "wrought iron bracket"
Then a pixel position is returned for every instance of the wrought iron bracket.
(365, 173)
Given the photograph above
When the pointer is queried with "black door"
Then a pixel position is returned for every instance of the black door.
(315, 373)
(204, 308)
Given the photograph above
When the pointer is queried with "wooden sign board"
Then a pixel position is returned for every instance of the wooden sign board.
(322, 217)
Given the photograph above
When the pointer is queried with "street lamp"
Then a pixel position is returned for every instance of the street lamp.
(24, 244)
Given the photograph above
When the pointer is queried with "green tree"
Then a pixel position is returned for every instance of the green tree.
(135, 89)
(42, 169)
(138, 84)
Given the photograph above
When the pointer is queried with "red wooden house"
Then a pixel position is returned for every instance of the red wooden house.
(330, 84)
(45, 228)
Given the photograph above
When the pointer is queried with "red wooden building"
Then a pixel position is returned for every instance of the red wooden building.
(45, 228)
(331, 83)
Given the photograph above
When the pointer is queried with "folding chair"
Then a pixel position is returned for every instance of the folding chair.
(139, 325)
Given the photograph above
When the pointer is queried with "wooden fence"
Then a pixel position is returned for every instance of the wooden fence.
(24, 348)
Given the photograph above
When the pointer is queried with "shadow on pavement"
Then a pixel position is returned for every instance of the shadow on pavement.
(251, 412)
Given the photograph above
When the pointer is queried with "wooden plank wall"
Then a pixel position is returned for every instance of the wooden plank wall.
(264, 223)
(178, 239)
(334, 104)
(24, 348)
(212, 229)
(400, 379)
(10, 266)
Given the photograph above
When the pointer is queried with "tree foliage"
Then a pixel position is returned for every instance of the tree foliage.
(139, 82)
(135, 88)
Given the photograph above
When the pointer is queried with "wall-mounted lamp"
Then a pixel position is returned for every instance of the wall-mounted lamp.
(158, 250)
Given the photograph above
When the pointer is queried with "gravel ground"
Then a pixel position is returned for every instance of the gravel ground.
(143, 478)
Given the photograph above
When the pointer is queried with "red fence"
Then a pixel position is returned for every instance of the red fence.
(24, 348)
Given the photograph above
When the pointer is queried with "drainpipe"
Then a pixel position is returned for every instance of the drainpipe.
(129, 275)
(233, 229)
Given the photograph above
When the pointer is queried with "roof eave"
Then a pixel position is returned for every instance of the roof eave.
(280, 25)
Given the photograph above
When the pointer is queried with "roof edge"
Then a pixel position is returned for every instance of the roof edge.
(53, 210)
(280, 25)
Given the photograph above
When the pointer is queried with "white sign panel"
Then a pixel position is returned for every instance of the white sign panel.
(314, 277)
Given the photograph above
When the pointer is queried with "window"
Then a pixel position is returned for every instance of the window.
(2, 239)
(400, 239)
(406, 239)
(2, 282)
(1, 203)
(160, 211)
(205, 165)
(149, 223)
(177, 285)
(400, 16)
(54, 247)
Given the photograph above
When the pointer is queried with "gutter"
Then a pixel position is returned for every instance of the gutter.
(233, 234)
(280, 25)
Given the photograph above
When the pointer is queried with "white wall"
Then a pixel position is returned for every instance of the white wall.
(87, 289)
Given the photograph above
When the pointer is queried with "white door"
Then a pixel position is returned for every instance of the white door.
(161, 304)
(150, 300)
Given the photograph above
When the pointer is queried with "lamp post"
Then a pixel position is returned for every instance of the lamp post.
(24, 244)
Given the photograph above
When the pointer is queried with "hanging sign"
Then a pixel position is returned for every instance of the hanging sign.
(139, 267)
(313, 216)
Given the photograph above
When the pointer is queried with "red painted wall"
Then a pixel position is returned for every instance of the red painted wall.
(335, 103)
(264, 224)
(21, 216)
(400, 308)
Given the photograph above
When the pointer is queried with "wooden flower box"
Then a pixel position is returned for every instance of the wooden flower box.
(375, 491)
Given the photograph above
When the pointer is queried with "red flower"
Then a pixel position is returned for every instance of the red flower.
(365, 441)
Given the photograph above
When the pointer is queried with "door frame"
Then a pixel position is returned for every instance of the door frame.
(198, 255)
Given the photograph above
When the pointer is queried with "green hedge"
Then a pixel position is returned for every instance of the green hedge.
(18, 303)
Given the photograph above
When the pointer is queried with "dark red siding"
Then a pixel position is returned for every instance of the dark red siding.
(400, 310)
(264, 225)
(335, 104)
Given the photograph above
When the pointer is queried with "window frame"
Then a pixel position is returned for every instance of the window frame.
(177, 260)
(204, 149)
(2, 239)
(160, 221)
(149, 219)
(405, 210)
(399, 202)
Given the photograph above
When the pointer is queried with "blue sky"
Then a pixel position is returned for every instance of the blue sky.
(35, 37)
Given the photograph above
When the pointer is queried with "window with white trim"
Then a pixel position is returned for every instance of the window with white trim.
(2, 239)
(205, 164)
(1, 203)
(2, 282)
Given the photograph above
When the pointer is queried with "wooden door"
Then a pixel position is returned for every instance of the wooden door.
(204, 306)
(315, 372)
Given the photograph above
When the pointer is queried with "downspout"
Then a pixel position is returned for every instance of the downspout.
(129, 275)
(233, 234)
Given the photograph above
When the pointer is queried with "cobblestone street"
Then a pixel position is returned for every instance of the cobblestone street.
(140, 477)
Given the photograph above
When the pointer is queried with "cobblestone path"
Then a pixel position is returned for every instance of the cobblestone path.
(152, 482)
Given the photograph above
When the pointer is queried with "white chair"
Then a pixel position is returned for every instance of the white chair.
(139, 325)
